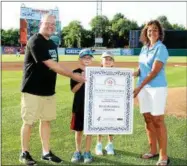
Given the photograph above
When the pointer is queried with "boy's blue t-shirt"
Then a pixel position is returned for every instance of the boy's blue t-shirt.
(146, 59)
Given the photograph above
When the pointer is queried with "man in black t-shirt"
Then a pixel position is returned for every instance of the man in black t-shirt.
(38, 89)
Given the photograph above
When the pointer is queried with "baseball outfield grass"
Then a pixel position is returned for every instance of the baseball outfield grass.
(13, 58)
(127, 147)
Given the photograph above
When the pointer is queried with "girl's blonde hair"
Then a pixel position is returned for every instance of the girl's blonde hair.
(105, 57)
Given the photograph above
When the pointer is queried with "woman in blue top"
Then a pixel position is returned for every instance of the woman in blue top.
(152, 89)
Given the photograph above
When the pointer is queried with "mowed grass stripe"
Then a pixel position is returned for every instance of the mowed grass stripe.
(13, 58)
(176, 76)
(128, 147)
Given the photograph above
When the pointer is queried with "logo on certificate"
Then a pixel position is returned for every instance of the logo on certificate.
(110, 81)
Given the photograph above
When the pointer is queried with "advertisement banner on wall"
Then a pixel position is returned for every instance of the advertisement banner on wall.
(61, 51)
(127, 51)
(113, 51)
(72, 51)
(116, 52)
(12, 50)
(98, 51)
(30, 22)
(9, 50)
(36, 14)
(23, 31)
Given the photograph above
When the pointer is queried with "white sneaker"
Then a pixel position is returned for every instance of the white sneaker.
(110, 149)
(98, 149)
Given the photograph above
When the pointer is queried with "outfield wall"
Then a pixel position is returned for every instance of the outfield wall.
(115, 51)
(74, 51)
(172, 52)
(118, 51)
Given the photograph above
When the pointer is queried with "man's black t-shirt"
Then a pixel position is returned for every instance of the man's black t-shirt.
(38, 79)
(78, 101)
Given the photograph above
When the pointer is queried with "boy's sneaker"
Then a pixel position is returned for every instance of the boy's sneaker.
(110, 149)
(99, 149)
(27, 159)
(76, 157)
(87, 157)
(51, 157)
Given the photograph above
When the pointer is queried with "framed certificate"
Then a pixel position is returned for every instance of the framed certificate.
(108, 105)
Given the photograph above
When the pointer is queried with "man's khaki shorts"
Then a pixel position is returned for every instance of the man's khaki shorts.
(35, 107)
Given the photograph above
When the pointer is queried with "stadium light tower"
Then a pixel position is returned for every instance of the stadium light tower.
(99, 7)
(98, 29)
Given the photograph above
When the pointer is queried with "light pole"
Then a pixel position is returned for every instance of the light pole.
(98, 29)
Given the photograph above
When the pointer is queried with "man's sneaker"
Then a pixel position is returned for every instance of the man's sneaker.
(98, 149)
(27, 159)
(110, 149)
(76, 157)
(87, 157)
(51, 157)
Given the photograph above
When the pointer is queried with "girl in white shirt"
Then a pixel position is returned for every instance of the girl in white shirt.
(107, 60)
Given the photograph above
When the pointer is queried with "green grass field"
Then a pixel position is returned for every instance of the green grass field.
(13, 58)
(128, 147)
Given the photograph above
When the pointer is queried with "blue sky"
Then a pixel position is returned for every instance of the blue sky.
(85, 11)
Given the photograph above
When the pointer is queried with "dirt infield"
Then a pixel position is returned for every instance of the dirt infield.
(176, 102)
(177, 97)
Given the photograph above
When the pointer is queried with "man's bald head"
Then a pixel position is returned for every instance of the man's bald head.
(48, 25)
(47, 17)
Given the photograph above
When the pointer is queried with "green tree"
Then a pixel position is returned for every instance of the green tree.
(164, 22)
(10, 37)
(100, 26)
(72, 34)
(116, 17)
(178, 27)
(88, 38)
(121, 26)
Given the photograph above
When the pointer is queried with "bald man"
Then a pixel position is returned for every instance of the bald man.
(38, 89)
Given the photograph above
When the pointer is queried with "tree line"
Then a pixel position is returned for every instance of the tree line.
(115, 32)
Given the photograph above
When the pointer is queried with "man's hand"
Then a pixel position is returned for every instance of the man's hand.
(83, 74)
(136, 74)
(78, 77)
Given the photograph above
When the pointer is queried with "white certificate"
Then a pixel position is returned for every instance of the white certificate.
(108, 105)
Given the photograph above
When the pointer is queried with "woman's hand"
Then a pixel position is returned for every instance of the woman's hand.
(136, 91)
(135, 74)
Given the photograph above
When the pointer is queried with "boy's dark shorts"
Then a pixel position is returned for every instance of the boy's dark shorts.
(77, 121)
